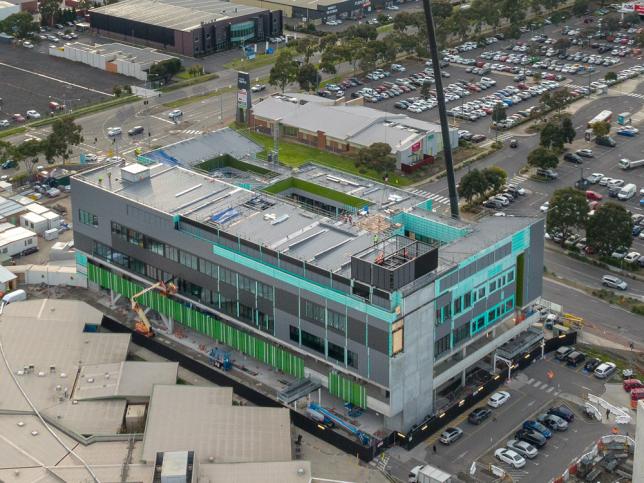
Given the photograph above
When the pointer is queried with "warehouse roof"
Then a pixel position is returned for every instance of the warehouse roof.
(266, 472)
(9, 207)
(204, 420)
(184, 15)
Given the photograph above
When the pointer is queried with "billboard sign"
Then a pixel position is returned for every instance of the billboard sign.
(243, 95)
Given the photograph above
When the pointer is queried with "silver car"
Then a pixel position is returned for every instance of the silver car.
(450, 435)
(524, 448)
(611, 281)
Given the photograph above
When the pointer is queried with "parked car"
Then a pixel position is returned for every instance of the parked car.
(630, 384)
(547, 173)
(574, 358)
(524, 448)
(18, 118)
(593, 196)
(553, 422)
(498, 399)
(591, 364)
(530, 436)
(604, 370)
(510, 457)
(538, 427)
(584, 153)
(563, 412)
(611, 281)
(258, 88)
(544, 208)
(479, 415)
(563, 352)
(450, 435)
(573, 158)
(136, 130)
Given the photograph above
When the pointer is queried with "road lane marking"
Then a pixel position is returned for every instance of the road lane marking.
(55, 79)
(550, 389)
(162, 119)
(462, 455)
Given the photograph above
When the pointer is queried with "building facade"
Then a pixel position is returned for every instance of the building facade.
(193, 29)
(384, 320)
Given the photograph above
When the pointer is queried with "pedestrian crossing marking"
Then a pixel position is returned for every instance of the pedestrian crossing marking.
(550, 389)
(431, 196)
(192, 131)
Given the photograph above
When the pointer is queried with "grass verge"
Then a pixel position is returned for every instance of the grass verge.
(184, 101)
(260, 60)
(12, 131)
(295, 155)
(189, 82)
(382, 29)
(83, 111)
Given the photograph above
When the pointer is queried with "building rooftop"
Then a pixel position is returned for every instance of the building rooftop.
(10, 207)
(176, 14)
(115, 50)
(206, 421)
(355, 124)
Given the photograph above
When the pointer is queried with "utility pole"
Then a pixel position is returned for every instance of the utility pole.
(442, 109)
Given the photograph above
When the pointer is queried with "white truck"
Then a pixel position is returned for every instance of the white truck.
(428, 474)
(628, 164)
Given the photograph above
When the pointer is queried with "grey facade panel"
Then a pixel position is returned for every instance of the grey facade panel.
(442, 330)
(379, 365)
(246, 298)
(286, 301)
(462, 320)
(494, 298)
(378, 340)
(533, 287)
(282, 323)
(227, 291)
(356, 331)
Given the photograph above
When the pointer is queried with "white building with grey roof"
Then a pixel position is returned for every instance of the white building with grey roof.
(345, 127)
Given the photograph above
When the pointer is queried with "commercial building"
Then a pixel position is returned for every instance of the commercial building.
(357, 285)
(116, 58)
(318, 11)
(188, 27)
(7, 9)
(73, 409)
(345, 127)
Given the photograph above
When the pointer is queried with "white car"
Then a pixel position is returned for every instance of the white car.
(28, 44)
(31, 114)
(498, 399)
(615, 183)
(175, 113)
(510, 457)
(524, 448)
(544, 208)
(114, 131)
(632, 257)
(5, 123)
(595, 178)
(604, 181)
(585, 153)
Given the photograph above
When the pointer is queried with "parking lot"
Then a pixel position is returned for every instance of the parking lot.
(31, 79)
(509, 64)
(532, 393)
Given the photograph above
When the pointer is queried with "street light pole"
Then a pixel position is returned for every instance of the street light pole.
(442, 109)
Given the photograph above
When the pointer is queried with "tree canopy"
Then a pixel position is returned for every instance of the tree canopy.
(472, 184)
(543, 158)
(568, 212)
(377, 157)
(610, 228)
(284, 71)
(601, 128)
(20, 25)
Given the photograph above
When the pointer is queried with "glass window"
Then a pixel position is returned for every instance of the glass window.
(102, 251)
(337, 320)
(265, 291)
(155, 246)
(171, 253)
(493, 286)
(312, 341)
(510, 276)
(266, 322)
(246, 313)
(447, 311)
(227, 276)
(352, 359)
(135, 238)
(491, 315)
(461, 333)
(509, 305)
(294, 334)
(467, 300)
(457, 305)
(336, 352)
(313, 311)
(189, 260)
(441, 345)
(208, 268)
(119, 230)
(87, 218)
(481, 293)
(247, 284)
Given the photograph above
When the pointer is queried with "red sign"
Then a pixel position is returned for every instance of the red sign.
(639, 8)
(415, 147)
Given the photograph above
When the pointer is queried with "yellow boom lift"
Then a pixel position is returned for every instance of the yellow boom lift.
(142, 325)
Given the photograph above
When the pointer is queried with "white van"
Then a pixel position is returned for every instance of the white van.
(604, 370)
(627, 192)
(15, 296)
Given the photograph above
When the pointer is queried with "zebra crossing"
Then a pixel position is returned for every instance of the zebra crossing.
(517, 179)
(192, 132)
(431, 196)
(543, 386)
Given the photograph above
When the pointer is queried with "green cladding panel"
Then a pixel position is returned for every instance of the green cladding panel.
(347, 390)
(226, 334)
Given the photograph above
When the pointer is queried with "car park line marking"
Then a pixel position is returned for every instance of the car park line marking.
(55, 79)
(462, 455)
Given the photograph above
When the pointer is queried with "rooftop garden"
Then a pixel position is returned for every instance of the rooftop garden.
(327, 193)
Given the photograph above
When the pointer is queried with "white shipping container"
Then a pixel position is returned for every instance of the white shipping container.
(34, 222)
(16, 240)
(51, 234)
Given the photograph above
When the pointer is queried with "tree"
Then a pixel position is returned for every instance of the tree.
(551, 137)
(64, 134)
(196, 70)
(20, 25)
(610, 76)
(307, 47)
(631, 18)
(364, 31)
(498, 114)
(568, 131)
(48, 10)
(331, 56)
(472, 184)
(377, 157)
(611, 21)
(601, 129)
(307, 77)
(495, 177)
(536, 77)
(610, 228)
(165, 69)
(543, 158)
(425, 90)
(284, 71)
(562, 44)
(580, 7)
(639, 39)
(567, 213)
(117, 91)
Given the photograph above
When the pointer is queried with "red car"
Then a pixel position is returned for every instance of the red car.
(18, 118)
(593, 196)
(522, 86)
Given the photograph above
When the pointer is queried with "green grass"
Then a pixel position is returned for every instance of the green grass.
(83, 111)
(385, 28)
(260, 60)
(294, 155)
(190, 81)
(331, 80)
(12, 131)
(202, 97)
(226, 160)
(318, 190)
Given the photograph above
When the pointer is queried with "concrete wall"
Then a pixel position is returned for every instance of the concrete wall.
(638, 461)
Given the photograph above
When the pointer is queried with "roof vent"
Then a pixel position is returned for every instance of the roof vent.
(21, 424)
(74, 401)
(20, 373)
(52, 369)
(135, 172)
(63, 375)
(90, 379)
(41, 374)
(34, 433)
